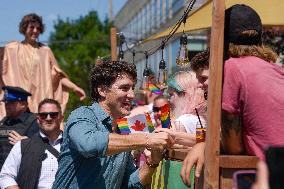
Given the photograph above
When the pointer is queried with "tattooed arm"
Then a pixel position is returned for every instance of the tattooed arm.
(232, 133)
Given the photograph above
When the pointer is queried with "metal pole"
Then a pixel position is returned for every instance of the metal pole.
(113, 41)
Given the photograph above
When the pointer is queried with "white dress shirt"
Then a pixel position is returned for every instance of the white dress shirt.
(11, 166)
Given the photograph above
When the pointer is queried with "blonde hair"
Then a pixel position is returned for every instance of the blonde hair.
(260, 51)
(192, 97)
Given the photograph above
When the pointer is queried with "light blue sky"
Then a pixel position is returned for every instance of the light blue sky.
(13, 10)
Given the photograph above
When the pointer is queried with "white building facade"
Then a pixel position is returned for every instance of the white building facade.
(140, 19)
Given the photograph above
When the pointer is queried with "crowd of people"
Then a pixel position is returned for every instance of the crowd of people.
(92, 152)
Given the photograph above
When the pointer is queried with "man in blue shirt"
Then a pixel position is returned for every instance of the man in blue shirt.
(93, 153)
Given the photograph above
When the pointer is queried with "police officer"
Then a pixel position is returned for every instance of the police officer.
(19, 122)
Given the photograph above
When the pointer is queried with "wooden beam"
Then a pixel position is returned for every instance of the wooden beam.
(212, 150)
(113, 42)
(237, 162)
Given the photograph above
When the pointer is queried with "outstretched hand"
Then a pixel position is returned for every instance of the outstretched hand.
(80, 92)
(194, 156)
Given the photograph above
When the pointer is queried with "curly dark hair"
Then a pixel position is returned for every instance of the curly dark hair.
(106, 73)
(200, 60)
(30, 18)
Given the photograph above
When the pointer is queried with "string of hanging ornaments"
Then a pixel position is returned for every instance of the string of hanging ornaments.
(162, 75)
(146, 74)
(182, 58)
(121, 42)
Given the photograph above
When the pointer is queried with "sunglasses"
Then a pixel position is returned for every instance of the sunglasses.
(156, 109)
(53, 115)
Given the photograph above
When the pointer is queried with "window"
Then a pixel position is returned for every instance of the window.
(162, 11)
(153, 15)
(148, 17)
(167, 7)
(139, 23)
(177, 5)
(135, 27)
(158, 13)
(143, 19)
(175, 46)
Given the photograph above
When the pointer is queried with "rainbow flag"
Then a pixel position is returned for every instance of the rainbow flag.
(165, 116)
(136, 124)
(149, 122)
(154, 89)
(123, 126)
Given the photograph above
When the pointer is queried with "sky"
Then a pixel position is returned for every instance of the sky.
(12, 12)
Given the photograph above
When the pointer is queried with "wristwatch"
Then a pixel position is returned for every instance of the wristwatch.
(152, 165)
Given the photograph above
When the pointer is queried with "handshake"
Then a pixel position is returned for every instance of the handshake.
(163, 139)
(159, 142)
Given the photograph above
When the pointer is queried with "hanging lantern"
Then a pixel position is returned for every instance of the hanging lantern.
(121, 42)
(145, 81)
(146, 74)
(182, 58)
(120, 54)
(162, 76)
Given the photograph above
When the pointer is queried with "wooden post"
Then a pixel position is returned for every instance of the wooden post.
(113, 42)
(212, 150)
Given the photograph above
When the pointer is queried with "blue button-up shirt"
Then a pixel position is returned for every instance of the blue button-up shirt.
(83, 162)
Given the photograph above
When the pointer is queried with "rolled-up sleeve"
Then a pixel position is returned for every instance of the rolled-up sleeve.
(85, 135)
(131, 177)
(11, 167)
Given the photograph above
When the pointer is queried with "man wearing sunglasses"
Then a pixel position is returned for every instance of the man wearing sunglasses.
(32, 162)
(95, 153)
(19, 122)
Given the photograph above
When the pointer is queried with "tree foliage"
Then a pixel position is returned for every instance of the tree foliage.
(274, 37)
(76, 45)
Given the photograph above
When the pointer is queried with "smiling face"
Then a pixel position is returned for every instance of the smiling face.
(118, 97)
(49, 117)
(32, 32)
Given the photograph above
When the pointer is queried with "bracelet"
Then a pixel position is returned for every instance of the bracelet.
(152, 165)
(147, 142)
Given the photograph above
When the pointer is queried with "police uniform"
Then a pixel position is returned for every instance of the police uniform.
(26, 124)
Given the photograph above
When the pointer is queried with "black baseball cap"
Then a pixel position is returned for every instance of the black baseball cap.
(239, 18)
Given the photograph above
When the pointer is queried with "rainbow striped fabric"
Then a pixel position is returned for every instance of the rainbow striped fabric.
(123, 126)
(154, 89)
(149, 122)
(165, 116)
(136, 124)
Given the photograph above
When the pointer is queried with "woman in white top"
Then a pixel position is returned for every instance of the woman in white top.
(185, 97)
